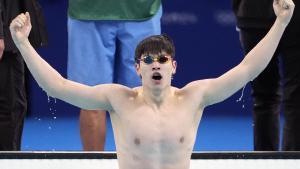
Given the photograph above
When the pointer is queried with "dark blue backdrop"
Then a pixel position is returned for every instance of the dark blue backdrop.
(206, 46)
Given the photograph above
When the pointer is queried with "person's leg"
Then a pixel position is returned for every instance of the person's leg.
(12, 101)
(129, 35)
(91, 61)
(266, 97)
(92, 129)
(291, 99)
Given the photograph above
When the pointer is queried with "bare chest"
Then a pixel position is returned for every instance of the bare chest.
(157, 131)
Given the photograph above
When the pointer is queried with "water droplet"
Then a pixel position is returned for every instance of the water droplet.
(242, 95)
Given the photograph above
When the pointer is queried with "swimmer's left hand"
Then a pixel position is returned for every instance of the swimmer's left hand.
(284, 10)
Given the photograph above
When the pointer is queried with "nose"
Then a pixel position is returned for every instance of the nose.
(155, 66)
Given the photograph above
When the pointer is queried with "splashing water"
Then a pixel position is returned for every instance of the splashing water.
(52, 111)
(51, 107)
(240, 99)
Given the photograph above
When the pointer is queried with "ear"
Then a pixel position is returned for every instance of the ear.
(174, 64)
(137, 68)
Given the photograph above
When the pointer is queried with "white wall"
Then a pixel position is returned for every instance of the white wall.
(112, 164)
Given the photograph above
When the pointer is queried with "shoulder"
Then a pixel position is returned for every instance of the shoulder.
(117, 90)
(195, 86)
(196, 89)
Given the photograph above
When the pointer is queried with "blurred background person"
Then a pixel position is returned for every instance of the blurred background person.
(13, 101)
(254, 19)
(102, 37)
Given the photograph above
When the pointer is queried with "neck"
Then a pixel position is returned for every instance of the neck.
(157, 96)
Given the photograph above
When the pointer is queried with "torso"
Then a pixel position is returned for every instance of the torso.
(149, 137)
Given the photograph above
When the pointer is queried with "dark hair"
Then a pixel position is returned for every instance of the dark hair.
(154, 45)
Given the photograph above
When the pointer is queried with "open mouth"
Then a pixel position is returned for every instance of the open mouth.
(156, 76)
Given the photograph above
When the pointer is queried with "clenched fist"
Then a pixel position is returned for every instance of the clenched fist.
(284, 10)
(20, 28)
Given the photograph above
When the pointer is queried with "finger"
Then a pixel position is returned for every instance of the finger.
(28, 21)
(19, 22)
(276, 3)
(22, 17)
(285, 5)
(290, 3)
(15, 26)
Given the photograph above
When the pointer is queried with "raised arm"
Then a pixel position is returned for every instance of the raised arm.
(49, 79)
(216, 90)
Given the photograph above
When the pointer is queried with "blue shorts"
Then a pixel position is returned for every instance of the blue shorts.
(103, 51)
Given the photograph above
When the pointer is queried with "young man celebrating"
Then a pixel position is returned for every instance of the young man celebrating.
(146, 119)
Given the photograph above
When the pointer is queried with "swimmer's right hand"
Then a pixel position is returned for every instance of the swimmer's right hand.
(20, 28)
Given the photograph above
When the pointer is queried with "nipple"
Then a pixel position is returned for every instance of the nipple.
(137, 141)
(181, 140)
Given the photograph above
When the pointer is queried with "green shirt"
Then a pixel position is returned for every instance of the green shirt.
(113, 9)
